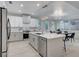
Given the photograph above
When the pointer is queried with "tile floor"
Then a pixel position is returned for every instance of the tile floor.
(23, 49)
(72, 49)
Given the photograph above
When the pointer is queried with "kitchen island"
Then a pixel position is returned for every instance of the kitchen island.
(48, 44)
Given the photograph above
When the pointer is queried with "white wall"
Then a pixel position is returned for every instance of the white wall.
(67, 26)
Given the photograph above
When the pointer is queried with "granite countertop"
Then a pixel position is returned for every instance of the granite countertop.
(49, 35)
(52, 36)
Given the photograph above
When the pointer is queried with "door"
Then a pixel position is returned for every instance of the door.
(4, 30)
(0, 32)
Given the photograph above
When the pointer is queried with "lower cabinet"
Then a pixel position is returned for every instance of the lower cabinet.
(16, 36)
(51, 47)
(31, 39)
(48, 47)
(39, 44)
(34, 41)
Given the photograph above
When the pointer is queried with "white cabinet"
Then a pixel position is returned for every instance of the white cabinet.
(48, 47)
(16, 21)
(31, 39)
(51, 47)
(15, 36)
(34, 41)
(39, 43)
(26, 19)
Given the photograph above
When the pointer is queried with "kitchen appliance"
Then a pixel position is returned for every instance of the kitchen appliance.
(9, 29)
(3, 32)
(42, 46)
(25, 34)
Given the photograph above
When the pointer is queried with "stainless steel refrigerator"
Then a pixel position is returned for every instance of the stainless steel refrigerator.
(3, 32)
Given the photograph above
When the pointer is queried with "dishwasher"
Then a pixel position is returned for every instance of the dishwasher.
(42, 46)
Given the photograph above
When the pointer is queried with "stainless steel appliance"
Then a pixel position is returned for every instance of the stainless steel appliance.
(42, 46)
(25, 34)
(3, 32)
(9, 29)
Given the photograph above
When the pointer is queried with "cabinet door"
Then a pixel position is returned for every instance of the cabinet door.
(42, 47)
(13, 36)
(31, 39)
(36, 42)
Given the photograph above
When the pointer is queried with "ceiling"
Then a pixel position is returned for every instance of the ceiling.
(66, 9)
(29, 7)
(59, 10)
(74, 3)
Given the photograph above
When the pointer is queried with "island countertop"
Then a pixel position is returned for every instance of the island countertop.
(47, 44)
(49, 35)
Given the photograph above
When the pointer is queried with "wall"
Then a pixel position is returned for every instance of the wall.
(68, 25)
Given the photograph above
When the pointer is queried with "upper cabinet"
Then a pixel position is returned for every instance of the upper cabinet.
(16, 21)
(30, 23)
(26, 19)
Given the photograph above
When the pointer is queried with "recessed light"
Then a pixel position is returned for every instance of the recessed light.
(19, 10)
(38, 5)
(21, 5)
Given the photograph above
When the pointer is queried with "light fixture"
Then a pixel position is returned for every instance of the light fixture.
(21, 5)
(19, 10)
(38, 4)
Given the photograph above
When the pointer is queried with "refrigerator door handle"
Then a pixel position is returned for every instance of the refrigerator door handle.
(9, 29)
